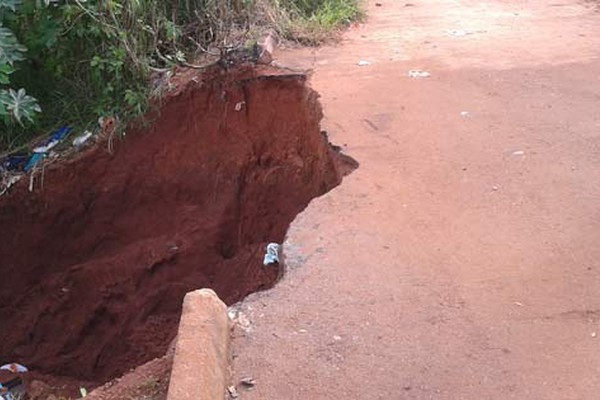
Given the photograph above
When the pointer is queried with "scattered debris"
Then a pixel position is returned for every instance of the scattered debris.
(83, 391)
(79, 141)
(8, 179)
(248, 382)
(272, 255)
(238, 106)
(55, 139)
(14, 162)
(462, 32)
(11, 386)
(240, 319)
(233, 393)
(302, 330)
(108, 125)
(495, 188)
(14, 368)
(518, 304)
(42, 151)
(34, 160)
(13, 166)
(363, 63)
(518, 153)
(416, 73)
(337, 338)
(464, 113)
(593, 334)
(266, 47)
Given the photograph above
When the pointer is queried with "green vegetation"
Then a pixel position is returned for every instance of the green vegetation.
(72, 61)
(313, 21)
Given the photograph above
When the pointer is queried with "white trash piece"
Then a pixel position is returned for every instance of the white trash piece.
(417, 73)
(272, 255)
(47, 147)
(363, 63)
(462, 32)
(80, 140)
(14, 368)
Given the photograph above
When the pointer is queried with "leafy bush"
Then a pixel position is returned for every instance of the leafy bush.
(78, 60)
(84, 59)
(14, 105)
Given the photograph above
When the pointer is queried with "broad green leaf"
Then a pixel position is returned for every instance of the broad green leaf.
(5, 71)
(20, 105)
(10, 49)
(10, 4)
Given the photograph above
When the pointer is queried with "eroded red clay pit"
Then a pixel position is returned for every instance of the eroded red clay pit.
(96, 263)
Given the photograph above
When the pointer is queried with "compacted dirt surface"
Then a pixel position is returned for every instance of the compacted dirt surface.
(460, 260)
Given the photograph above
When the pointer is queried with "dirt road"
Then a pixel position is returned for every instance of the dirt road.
(461, 260)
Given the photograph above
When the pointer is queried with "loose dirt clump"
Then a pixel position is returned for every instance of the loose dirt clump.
(96, 263)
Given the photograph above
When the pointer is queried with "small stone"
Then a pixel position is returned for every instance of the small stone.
(417, 73)
(248, 382)
(233, 393)
(494, 188)
(593, 334)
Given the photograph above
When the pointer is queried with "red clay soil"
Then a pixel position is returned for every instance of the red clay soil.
(95, 265)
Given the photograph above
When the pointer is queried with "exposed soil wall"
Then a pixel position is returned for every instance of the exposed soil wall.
(96, 263)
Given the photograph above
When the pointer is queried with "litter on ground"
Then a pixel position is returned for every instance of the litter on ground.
(462, 32)
(81, 140)
(14, 368)
(272, 255)
(417, 73)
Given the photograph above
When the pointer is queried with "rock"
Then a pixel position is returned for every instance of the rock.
(200, 366)
(248, 382)
(268, 45)
(233, 393)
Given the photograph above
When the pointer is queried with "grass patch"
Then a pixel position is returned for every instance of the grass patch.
(312, 22)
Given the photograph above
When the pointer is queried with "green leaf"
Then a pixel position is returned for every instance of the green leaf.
(20, 105)
(5, 71)
(10, 49)
(10, 4)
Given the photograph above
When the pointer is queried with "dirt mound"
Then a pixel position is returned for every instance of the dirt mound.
(95, 265)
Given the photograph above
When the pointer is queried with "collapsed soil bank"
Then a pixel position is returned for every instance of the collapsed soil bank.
(95, 264)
